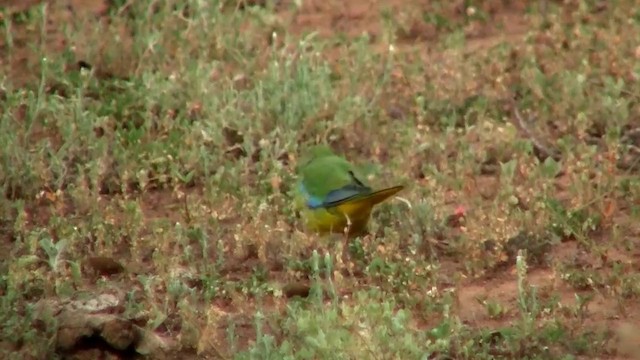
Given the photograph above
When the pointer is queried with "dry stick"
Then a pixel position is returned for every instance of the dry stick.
(623, 91)
(125, 7)
(367, 345)
(218, 352)
(187, 214)
(628, 137)
(633, 149)
(540, 145)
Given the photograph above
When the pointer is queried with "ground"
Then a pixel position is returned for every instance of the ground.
(149, 151)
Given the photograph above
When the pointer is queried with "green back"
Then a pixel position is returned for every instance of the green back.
(322, 171)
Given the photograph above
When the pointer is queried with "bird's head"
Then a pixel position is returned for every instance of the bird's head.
(315, 152)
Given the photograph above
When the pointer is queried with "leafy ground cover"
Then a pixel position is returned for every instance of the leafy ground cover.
(148, 149)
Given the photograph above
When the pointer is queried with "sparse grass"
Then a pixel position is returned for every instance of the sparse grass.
(171, 151)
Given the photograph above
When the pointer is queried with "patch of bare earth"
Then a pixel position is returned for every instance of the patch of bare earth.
(327, 18)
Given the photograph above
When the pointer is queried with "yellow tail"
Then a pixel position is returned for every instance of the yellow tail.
(352, 214)
(361, 206)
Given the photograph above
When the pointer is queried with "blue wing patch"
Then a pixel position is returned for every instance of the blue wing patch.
(334, 197)
(312, 201)
(344, 193)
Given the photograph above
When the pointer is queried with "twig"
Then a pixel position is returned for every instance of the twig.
(187, 213)
(544, 149)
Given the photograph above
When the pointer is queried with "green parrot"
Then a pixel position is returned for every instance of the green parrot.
(331, 197)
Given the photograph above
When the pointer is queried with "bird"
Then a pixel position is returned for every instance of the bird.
(331, 197)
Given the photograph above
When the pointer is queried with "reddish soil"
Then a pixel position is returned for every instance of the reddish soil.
(351, 18)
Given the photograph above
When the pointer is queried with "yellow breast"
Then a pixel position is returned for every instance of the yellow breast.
(348, 217)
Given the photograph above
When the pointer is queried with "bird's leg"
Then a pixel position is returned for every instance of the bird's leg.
(346, 229)
(345, 245)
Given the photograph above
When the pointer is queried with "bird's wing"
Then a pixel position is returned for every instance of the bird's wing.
(329, 181)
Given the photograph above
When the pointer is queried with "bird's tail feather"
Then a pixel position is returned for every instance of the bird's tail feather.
(379, 196)
(355, 206)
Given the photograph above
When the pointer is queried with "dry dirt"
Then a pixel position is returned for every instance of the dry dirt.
(352, 18)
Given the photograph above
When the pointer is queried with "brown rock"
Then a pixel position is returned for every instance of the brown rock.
(119, 333)
(105, 265)
(296, 289)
